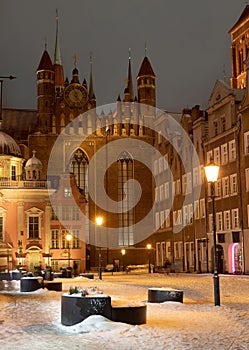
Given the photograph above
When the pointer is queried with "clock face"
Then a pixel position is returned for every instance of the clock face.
(76, 95)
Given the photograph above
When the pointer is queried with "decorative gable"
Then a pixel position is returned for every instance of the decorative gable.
(220, 91)
(34, 211)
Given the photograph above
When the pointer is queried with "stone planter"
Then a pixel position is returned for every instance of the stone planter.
(160, 295)
(30, 284)
(75, 309)
(130, 314)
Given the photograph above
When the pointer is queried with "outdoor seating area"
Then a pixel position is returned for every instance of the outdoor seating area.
(76, 307)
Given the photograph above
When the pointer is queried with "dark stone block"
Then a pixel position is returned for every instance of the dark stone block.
(74, 309)
(5, 276)
(30, 284)
(160, 295)
(130, 314)
(16, 275)
(87, 275)
(56, 286)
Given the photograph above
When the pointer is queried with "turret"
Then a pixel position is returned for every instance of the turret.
(146, 84)
(45, 92)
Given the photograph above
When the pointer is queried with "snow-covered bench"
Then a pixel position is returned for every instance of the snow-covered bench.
(160, 295)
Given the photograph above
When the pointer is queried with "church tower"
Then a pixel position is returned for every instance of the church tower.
(146, 84)
(240, 49)
(45, 92)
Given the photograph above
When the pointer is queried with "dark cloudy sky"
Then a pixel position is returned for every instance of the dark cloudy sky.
(187, 43)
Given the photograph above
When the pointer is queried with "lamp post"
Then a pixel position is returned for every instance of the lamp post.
(212, 172)
(149, 249)
(69, 238)
(99, 221)
(11, 77)
(123, 254)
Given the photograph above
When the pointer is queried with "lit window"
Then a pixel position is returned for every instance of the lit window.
(233, 184)
(235, 218)
(67, 192)
(227, 220)
(247, 179)
(219, 221)
(246, 142)
(217, 155)
(225, 186)
(196, 209)
(54, 244)
(232, 151)
(224, 154)
(202, 208)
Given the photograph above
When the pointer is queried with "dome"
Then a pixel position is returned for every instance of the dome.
(33, 162)
(8, 146)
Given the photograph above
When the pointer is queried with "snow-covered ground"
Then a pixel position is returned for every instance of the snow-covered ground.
(32, 320)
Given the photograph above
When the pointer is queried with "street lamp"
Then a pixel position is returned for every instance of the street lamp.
(212, 171)
(123, 254)
(99, 222)
(69, 238)
(11, 77)
(149, 248)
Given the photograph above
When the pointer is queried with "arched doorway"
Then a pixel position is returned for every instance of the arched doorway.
(34, 258)
(219, 258)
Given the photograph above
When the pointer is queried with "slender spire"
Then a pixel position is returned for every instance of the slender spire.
(57, 54)
(91, 90)
(58, 69)
(224, 73)
(145, 49)
(129, 78)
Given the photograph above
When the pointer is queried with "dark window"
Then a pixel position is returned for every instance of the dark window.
(221, 237)
(33, 227)
(235, 237)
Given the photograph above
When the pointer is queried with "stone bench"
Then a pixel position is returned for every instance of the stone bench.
(11, 275)
(74, 309)
(87, 275)
(131, 314)
(160, 295)
(53, 285)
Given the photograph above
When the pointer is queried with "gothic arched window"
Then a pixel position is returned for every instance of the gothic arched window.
(126, 199)
(79, 167)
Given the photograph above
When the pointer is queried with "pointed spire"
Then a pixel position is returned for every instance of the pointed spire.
(75, 78)
(91, 90)
(224, 73)
(58, 69)
(57, 54)
(145, 50)
(129, 79)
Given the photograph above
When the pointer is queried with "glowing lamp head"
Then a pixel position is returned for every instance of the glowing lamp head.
(123, 251)
(212, 172)
(148, 246)
(69, 237)
(99, 220)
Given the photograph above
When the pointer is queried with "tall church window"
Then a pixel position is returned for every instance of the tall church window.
(79, 167)
(126, 199)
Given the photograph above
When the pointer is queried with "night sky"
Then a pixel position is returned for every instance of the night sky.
(187, 43)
